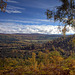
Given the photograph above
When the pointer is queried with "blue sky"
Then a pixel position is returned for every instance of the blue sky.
(28, 16)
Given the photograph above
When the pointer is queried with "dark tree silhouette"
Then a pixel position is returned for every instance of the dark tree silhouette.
(3, 5)
(64, 13)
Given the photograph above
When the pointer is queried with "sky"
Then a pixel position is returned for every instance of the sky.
(29, 16)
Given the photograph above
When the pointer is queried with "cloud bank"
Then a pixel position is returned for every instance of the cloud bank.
(42, 29)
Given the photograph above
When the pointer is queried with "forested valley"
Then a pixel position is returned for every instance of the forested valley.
(24, 55)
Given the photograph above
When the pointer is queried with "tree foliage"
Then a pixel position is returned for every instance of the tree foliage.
(3, 5)
(64, 13)
(57, 65)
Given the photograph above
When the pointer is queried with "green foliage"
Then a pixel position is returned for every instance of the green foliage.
(64, 13)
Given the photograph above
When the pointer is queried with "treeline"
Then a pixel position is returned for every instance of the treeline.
(22, 37)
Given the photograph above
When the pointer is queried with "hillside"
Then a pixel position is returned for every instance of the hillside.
(22, 42)
(63, 42)
(54, 57)
(17, 45)
(65, 45)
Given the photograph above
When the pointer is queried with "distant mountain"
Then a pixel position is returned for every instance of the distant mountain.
(35, 36)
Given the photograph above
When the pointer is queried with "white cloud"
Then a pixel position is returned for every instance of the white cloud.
(12, 1)
(14, 9)
(44, 20)
(43, 29)
(20, 21)
(25, 20)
